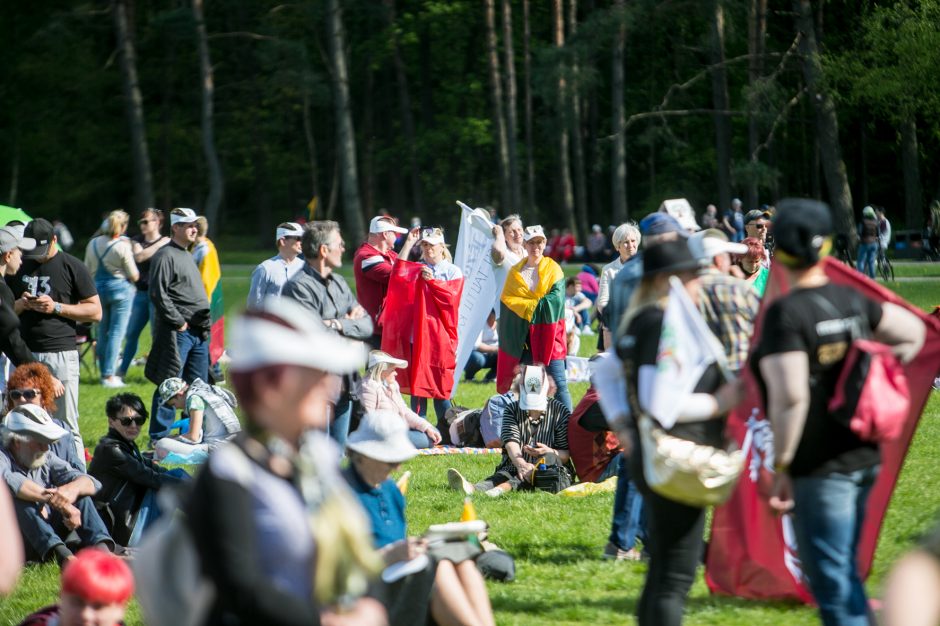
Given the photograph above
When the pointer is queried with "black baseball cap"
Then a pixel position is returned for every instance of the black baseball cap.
(42, 231)
(802, 232)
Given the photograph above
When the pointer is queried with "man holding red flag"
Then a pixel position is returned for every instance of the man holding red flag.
(419, 322)
(823, 471)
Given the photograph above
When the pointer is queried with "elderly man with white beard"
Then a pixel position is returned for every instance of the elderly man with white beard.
(51, 498)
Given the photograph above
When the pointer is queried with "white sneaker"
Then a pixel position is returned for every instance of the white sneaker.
(113, 382)
(495, 492)
(587, 331)
(458, 483)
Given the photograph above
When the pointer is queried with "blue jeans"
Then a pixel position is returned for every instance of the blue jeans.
(40, 535)
(556, 369)
(140, 315)
(420, 406)
(149, 511)
(827, 519)
(338, 428)
(194, 355)
(629, 520)
(480, 361)
(419, 439)
(867, 255)
(116, 295)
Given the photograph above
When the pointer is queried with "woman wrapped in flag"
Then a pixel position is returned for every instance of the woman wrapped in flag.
(532, 318)
(419, 322)
(207, 259)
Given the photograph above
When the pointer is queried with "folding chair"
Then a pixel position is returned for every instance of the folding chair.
(85, 342)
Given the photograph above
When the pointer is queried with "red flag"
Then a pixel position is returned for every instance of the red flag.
(419, 324)
(752, 553)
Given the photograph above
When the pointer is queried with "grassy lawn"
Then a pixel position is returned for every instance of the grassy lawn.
(556, 542)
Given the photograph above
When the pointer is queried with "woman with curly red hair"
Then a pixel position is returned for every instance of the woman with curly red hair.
(31, 383)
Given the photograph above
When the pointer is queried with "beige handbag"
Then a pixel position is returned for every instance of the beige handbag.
(691, 473)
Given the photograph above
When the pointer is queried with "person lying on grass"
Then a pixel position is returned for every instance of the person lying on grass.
(449, 588)
(534, 428)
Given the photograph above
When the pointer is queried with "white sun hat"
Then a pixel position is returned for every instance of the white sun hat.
(377, 356)
(282, 332)
(31, 420)
(383, 436)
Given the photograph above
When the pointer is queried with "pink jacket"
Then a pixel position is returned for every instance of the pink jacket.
(377, 397)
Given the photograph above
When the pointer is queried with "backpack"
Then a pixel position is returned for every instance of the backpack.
(871, 395)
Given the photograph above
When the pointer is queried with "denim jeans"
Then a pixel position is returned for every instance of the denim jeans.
(480, 361)
(338, 428)
(40, 535)
(559, 373)
(419, 439)
(140, 314)
(420, 406)
(867, 255)
(629, 518)
(116, 295)
(827, 519)
(675, 548)
(149, 511)
(194, 355)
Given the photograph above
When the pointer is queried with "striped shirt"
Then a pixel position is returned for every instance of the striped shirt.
(552, 430)
(729, 306)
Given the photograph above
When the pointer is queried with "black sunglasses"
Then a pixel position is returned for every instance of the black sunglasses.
(19, 394)
(126, 421)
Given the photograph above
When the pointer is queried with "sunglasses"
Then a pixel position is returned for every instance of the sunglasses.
(145, 221)
(20, 394)
(126, 421)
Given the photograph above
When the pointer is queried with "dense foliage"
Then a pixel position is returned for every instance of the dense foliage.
(68, 148)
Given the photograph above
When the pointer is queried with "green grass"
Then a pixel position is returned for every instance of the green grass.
(557, 542)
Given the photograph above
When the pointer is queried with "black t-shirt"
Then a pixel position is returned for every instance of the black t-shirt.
(640, 346)
(63, 278)
(11, 341)
(143, 283)
(798, 322)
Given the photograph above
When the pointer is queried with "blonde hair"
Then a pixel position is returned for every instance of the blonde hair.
(202, 226)
(375, 372)
(116, 223)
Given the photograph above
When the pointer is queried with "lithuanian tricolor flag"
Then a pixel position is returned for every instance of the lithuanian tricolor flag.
(532, 322)
(211, 273)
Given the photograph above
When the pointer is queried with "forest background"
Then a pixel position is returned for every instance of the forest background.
(571, 112)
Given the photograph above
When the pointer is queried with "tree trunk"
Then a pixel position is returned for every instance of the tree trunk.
(311, 149)
(345, 135)
(618, 159)
(529, 150)
(512, 124)
(14, 177)
(214, 199)
(910, 164)
(827, 124)
(134, 105)
(564, 169)
(368, 141)
(496, 97)
(756, 37)
(720, 99)
(407, 117)
(574, 122)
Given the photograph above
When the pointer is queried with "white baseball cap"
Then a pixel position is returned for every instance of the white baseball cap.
(11, 238)
(288, 229)
(432, 235)
(384, 223)
(33, 421)
(707, 244)
(283, 332)
(182, 216)
(383, 436)
(377, 356)
(533, 390)
(533, 232)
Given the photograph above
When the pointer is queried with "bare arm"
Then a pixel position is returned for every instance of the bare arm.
(11, 546)
(142, 254)
(523, 467)
(787, 400)
(87, 310)
(194, 433)
(911, 597)
(410, 242)
(902, 330)
(498, 251)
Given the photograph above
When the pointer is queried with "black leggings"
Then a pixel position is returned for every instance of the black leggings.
(675, 547)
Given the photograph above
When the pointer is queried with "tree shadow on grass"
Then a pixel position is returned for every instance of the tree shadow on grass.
(622, 605)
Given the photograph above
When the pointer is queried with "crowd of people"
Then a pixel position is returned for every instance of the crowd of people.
(286, 532)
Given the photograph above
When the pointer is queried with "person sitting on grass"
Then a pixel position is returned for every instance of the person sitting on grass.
(450, 588)
(52, 498)
(534, 428)
(484, 353)
(209, 417)
(379, 391)
(579, 303)
(129, 482)
(96, 587)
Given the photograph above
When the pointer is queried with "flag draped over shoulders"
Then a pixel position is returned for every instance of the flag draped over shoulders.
(533, 319)
(211, 272)
(419, 324)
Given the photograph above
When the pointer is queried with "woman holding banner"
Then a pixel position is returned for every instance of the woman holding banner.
(675, 530)
(824, 471)
(419, 322)
(532, 318)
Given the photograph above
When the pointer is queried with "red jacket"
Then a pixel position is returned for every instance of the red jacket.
(591, 451)
(372, 269)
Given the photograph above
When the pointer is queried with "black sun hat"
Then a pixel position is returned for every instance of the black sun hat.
(668, 257)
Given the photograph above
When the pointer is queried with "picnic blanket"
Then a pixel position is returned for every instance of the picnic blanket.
(455, 450)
